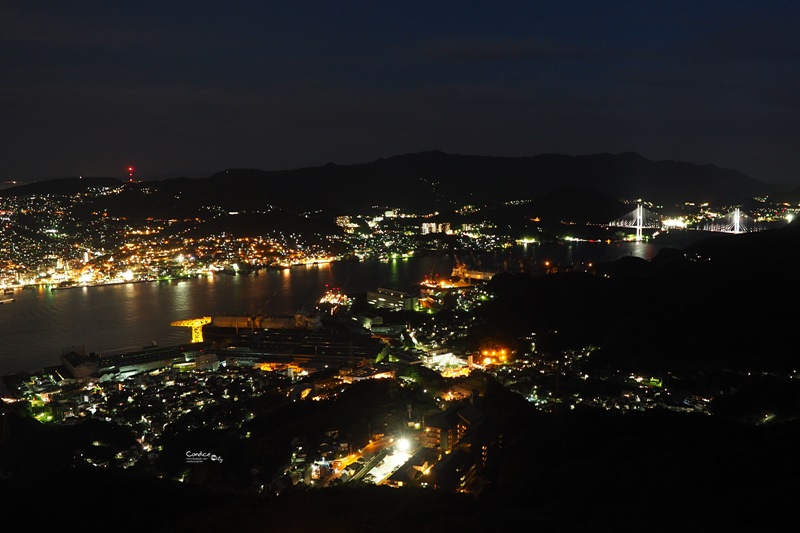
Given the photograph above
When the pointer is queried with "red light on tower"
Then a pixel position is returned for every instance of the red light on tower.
(130, 173)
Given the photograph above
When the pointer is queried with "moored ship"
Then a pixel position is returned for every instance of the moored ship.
(461, 272)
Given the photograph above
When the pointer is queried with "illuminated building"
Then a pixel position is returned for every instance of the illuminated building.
(413, 471)
(366, 372)
(436, 227)
(304, 348)
(444, 430)
(392, 299)
(81, 365)
(441, 430)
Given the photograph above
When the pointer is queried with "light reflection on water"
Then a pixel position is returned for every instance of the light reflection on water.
(41, 324)
(568, 253)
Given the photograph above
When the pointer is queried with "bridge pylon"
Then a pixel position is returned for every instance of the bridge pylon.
(639, 218)
(196, 324)
(735, 222)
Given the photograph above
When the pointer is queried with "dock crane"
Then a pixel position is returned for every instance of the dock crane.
(196, 324)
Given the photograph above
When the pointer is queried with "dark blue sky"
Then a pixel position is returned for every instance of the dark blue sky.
(87, 88)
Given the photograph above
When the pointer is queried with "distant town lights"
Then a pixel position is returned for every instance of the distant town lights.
(674, 223)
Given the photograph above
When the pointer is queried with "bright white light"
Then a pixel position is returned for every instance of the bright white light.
(403, 445)
(674, 223)
(789, 217)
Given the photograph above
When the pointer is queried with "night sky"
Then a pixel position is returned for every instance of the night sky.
(191, 88)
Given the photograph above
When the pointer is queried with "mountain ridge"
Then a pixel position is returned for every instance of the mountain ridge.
(436, 181)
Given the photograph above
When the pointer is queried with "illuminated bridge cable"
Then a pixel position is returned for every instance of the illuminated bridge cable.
(639, 218)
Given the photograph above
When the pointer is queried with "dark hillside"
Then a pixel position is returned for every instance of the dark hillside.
(435, 181)
(728, 302)
(61, 186)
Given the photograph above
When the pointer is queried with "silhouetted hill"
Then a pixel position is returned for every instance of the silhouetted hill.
(60, 186)
(549, 212)
(437, 181)
(259, 224)
(791, 196)
(575, 205)
(429, 181)
(578, 471)
(723, 303)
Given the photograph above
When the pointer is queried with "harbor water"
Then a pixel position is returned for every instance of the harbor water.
(41, 324)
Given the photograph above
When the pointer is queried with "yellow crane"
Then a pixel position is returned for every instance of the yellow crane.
(196, 324)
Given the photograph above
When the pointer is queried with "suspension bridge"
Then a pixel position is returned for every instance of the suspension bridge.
(642, 218)
(733, 222)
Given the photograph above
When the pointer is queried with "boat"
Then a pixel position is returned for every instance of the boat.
(462, 272)
(8, 290)
(6, 300)
(68, 284)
